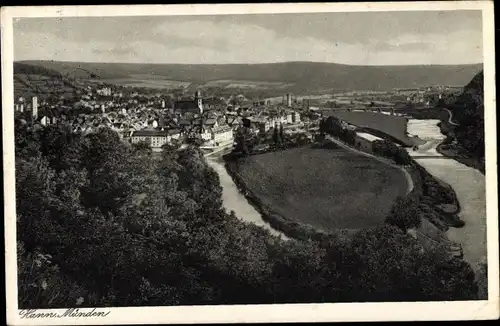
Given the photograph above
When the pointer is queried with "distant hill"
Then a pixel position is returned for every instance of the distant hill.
(21, 68)
(290, 76)
(31, 80)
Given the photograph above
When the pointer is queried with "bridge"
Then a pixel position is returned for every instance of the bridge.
(220, 150)
(417, 157)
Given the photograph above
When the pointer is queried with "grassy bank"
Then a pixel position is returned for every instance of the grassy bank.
(289, 228)
(303, 191)
(438, 202)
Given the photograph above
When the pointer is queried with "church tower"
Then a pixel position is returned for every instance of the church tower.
(199, 101)
(34, 107)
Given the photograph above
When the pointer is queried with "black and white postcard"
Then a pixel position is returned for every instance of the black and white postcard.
(240, 163)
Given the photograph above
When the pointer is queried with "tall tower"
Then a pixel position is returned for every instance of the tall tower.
(289, 99)
(199, 101)
(34, 107)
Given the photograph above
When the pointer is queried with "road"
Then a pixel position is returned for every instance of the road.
(218, 150)
(449, 118)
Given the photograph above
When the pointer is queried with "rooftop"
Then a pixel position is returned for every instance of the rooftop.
(368, 136)
(150, 133)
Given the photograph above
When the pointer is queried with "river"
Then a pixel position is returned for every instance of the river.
(468, 183)
(233, 200)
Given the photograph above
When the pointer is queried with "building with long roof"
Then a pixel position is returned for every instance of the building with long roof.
(194, 105)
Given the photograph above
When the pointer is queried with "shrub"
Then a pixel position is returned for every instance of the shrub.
(404, 214)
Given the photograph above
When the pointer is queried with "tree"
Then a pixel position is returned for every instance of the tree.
(331, 125)
(277, 137)
(61, 147)
(392, 266)
(105, 157)
(142, 147)
(282, 135)
(41, 283)
(385, 262)
(402, 157)
(482, 280)
(443, 277)
(404, 213)
(244, 140)
(27, 141)
(350, 137)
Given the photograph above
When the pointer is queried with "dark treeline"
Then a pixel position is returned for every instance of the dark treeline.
(23, 68)
(101, 223)
(465, 134)
(468, 113)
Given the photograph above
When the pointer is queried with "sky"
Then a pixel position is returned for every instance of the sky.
(356, 38)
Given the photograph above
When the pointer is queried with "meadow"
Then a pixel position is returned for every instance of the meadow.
(147, 82)
(233, 83)
(327, 189)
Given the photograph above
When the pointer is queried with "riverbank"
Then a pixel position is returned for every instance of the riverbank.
(447, 149)
(469, 186)
(234, 200)
(472, 162)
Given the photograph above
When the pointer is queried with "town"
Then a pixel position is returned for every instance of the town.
(140, 116)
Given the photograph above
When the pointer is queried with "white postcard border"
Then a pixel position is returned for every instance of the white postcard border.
(475, 310)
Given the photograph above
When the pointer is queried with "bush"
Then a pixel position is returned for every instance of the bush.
(404, 214)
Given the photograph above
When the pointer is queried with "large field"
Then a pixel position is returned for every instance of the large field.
(228, 83)
(328, 189)
(394, 126)
(147, 82)
(305, 76)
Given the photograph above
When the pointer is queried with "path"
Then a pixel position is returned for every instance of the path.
(449, 118)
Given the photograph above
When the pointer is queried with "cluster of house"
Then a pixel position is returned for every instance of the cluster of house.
(263, 122)
(426, 95)
(105, 91)
(151, 119)
(215, 128)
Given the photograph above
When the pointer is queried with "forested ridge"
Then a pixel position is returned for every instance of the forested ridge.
(103, 223)
(303, 76)
(468, 114)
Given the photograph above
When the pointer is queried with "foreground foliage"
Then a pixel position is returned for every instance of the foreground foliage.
(101, 223)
